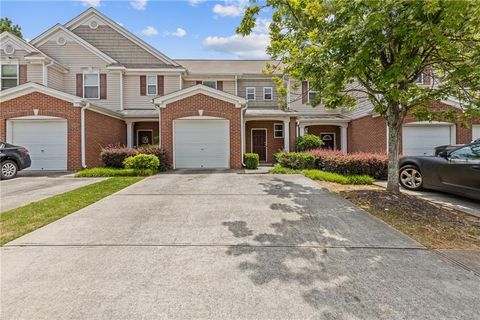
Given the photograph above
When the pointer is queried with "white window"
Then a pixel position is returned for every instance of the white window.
(211, 84)
(151, 85)
(267, 93)
(91, 85)
(9, 78)
(311, 94)
(278, 130)
(250, 93)
(419, 80)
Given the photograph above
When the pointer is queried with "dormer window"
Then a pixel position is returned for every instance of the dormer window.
(9, 76)
(91, 85)
(152, 85)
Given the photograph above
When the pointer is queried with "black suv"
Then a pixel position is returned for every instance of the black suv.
(12, 159)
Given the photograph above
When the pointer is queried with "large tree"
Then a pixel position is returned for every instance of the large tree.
(6, 25)
(376, 49)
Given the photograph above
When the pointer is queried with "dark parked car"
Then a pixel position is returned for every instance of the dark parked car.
(454, 170)
(12, 159)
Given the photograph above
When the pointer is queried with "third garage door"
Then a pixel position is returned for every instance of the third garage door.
(422, 139)
(201, 143)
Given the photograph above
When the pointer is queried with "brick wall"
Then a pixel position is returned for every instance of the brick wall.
(367, 134)
(273, 144)
(318, 129)
(47, 106)
(100, 131)
(211, 107)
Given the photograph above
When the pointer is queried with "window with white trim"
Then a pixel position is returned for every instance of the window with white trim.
(268, 93)
(312, 94)
(91, 85)
(151, 85)
(278, 130)
(9, 77)
(419, 80)
(210, 83)
(250, 93)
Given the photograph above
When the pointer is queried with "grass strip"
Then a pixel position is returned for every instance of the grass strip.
(113, 172)
(19, 221)
(316, 174)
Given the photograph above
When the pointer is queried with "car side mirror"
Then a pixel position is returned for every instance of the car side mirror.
(443, 154)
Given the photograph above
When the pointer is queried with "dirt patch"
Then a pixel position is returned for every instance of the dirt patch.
(432, 225)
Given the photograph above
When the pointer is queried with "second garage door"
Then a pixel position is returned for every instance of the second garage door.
(201, 143)
(422, 139)
(46, 141)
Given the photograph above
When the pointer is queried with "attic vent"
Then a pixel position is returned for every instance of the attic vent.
(9, 49)
(61, 41)
(93, 24)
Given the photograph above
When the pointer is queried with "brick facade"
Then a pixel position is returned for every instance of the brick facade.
(274, 145)
(100, 131)
(319, 129)
(47, 106)
(212, 107)
(146, 126)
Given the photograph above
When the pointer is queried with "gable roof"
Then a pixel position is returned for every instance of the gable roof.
(230, 67)
(92, 12)
(162, 101)
(42, 38)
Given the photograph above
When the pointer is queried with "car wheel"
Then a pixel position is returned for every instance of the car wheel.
(411, 178)
(9, 169)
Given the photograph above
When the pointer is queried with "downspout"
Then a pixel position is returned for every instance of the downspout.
(82, 133)
(45, 73)
(242, 133)
(159, 124)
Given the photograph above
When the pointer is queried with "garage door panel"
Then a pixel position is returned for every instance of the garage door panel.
(421, 140)
(46, 142)
(201, 143)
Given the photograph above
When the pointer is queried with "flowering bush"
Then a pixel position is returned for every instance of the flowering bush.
(372, 164)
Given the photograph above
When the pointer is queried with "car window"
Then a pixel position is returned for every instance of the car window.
(471, 152)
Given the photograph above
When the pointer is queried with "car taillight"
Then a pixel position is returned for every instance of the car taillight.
(24, 151)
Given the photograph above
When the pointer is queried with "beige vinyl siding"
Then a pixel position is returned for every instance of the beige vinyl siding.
(77, 58)
(17, 56)
(297, 105)
(258, 84)
(228, 86)
(189, 83)
(172, 83)
(35, 73)
(55, 79)
(131, 91)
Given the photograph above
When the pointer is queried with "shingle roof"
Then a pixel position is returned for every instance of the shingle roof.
(237, 67)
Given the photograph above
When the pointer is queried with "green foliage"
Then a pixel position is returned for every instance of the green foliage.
(6, 25)
(308, 142)
(278, 169)
(113, 172)
(251, 160)
(142, 162)
(295, 160)
(337, 178)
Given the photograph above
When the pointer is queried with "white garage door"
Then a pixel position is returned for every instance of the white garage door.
(46, 140)
(421, 140)
(201, 143)
(476, 132)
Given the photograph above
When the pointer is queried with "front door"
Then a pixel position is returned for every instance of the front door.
(144, 137)
(328, 141)
(259, 143)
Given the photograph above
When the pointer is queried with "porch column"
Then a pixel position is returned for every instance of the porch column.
(302, 130)
(130, 134)
(343, 138)
(286, 135)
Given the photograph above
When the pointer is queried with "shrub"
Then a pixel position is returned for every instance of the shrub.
(316, 174)
(251, 160)
(361, 163)
(159, 152)
(142, 162)
(113, 156)
(295, 160)
(309, 142)
(112, 172)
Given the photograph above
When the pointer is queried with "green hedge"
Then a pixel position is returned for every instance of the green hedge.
(309, 142)
(295, 160)
(251, 160)
(142, 162)
(316, 174)
(112, 172)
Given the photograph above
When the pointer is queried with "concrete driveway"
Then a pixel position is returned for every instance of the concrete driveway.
(29, 187)
(228, 246)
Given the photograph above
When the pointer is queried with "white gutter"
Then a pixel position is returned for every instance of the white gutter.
(45, 73)
(82, 126)
(159, 125)
(242, 133)
(236, 85)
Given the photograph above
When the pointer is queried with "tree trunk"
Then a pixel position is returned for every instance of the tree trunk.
(394, 124)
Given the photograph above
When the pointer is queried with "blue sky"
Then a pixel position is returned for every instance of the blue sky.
(180, 29)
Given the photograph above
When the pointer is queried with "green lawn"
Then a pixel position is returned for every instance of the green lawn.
(316, 174)
(19, 221)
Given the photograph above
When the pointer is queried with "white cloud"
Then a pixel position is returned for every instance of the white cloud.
(262, 25)
(194, 3)
(250, 47)
(91, 3)
(138, 4)
(231, 8)
(150, 31)
(179, 33)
